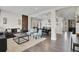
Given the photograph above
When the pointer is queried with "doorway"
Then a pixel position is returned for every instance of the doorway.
(24, 23)
(72, 26)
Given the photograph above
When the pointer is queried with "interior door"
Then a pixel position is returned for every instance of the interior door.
(24, 22)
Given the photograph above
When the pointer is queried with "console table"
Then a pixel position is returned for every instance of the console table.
(74, 42)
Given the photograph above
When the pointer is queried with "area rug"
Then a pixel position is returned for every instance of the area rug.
(12, 46)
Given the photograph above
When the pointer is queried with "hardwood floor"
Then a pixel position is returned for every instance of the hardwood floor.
(62, 44)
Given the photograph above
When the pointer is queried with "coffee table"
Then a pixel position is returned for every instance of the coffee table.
(21, 38)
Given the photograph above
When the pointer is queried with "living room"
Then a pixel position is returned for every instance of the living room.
(37, 29)
(15, 26)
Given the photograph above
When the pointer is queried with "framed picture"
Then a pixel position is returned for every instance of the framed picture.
(4, 20)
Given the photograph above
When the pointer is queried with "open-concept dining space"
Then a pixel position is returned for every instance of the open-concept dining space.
(39, 28)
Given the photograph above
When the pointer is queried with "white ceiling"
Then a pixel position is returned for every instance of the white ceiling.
(28, 10)
(67, 13)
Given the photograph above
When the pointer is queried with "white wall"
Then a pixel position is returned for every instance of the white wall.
(59, 25)
(12, 19)
(77, 28)
(45, 23)
(77, 24)
(29, 22)
(65, 25)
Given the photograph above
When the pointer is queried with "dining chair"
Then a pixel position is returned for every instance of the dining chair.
(38, 34)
